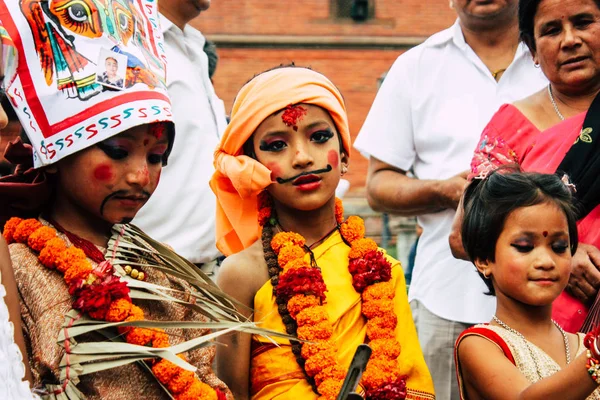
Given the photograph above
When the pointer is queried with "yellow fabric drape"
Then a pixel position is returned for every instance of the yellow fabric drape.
(238, 178)
(274, 372)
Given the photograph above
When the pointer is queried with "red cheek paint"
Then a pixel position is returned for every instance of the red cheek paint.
(103, 172)
(275, 170)
(545, 233)
(333, 158)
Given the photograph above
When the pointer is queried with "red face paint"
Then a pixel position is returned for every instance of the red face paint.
(292, 115)
(103, 172)
(333, 158)
(158, 129)
(545, 233)
(145, 175)
(275, 170)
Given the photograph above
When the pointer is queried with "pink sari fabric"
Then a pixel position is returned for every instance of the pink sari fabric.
(511, 138)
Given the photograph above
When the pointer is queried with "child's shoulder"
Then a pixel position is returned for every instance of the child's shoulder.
(246, 270)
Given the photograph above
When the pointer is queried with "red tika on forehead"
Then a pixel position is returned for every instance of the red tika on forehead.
(158, 129)
(292, 115)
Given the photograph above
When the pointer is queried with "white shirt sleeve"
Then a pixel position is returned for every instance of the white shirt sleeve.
(387, 133)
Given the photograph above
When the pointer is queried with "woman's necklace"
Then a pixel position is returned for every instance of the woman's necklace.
(562, 118)
(519, 334)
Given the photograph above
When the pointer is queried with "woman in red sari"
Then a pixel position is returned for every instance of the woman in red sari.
(552, 131)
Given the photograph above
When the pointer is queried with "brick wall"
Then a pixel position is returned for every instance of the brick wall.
(354, 68)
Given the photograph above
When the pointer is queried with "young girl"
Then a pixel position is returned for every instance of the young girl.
(95, 158)
(312, 273)
(520, 230)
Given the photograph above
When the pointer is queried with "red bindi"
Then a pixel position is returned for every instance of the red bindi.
(545, 233)
(103, 172)
(292, 115)
(158, 129)
(333, 158)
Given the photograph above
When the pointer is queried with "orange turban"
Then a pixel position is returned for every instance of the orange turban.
(238, 179)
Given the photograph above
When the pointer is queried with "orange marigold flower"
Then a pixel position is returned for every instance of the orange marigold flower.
(318, 361)
(312, 316)
(25, 229)
(161, 339)
(377, 308)
(297, 263)
(79, 269)
(283, 239)
(164, 370)
(380, 372)
(320, 331)
(51, 252)
(37, 240)
(197, 391)
(9, 229)
(339, 211)
(360, 247)
(382, 327)
(312, 348)
(289, 253)
(353, 229)
(385, 348)
(68, 258)
(135, 314)
(379, 290)
(331, 372)
(299, 302)
(330, 388)
(139, 336)
(181, 381)
(118, 310)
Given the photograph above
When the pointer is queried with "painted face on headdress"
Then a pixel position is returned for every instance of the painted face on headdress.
(63, 31)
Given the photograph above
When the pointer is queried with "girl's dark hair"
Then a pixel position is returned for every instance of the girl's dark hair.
(488, 203)
(527, 11)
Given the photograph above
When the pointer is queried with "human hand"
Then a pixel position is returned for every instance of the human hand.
(453, 188)
(584, 281)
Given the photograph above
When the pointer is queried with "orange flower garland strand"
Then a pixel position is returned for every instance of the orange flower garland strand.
(313, 325)
(78, 272)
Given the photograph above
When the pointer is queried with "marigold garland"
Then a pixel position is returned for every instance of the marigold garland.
(301, 289)
(102, 294)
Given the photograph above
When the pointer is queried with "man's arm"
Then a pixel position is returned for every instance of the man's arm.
(390, 190)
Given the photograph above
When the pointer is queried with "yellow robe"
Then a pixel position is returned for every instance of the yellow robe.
(274, 372)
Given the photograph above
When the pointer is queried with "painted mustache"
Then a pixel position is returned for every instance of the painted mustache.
(315, 172)
(143, 195)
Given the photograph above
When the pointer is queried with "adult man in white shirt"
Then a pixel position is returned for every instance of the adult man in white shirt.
(181, 212)
(428, 117)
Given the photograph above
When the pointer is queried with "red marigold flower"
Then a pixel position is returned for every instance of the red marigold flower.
(9, 229)
(37, 240)
(118, 310)
(68, 258)
(370, 269)
(339, 211)
(220, 395)
(25, 229)
(181, 381)
(353, 229)
(51, 252)
(299, 302)
(307, 281)
(395, 390)
(99, 295)
(264, 215)
(283, 239)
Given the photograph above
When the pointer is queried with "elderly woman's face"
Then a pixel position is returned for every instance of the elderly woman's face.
(567, 38)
